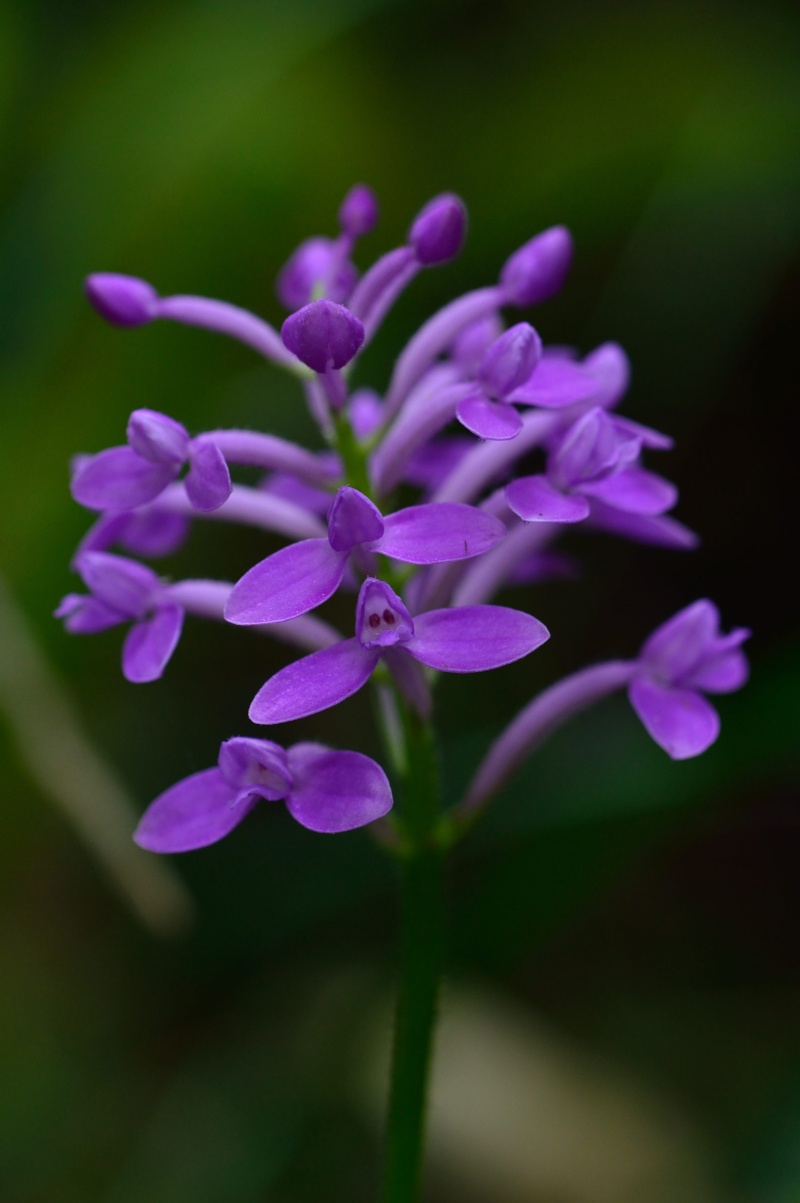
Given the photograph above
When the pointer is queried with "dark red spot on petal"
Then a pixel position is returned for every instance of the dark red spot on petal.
(388, 617)
(374, 620)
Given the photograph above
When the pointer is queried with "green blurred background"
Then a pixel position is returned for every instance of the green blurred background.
(621, 1023)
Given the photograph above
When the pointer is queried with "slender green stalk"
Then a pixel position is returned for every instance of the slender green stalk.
(421, 954)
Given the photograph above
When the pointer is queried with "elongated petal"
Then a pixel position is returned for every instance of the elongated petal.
(535, 499)
(149, 645)
(291, 582)
(681, 721)
(555, 382)
(314, 683)
(471, 639)
(658, 529)
(122, 584)
(635, 490)
(336, 791)
(85, 615)
(434, 534)
(119, 479)
(192, 814)
(208, 483)
(679, 645)
(489, 419)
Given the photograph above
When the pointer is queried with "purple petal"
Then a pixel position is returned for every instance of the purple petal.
(635, 490)
(535, 499)
(437, 233)
(658, 529)
(555, 383)
(590, 448)
(123, 300)
(726, 669)
(124, 585)
(611, 369)
(153, 532)
(208, 483)
(149, 645)
(510, 360)
(488, 419)
(157, 437)
(353, 519)
(648, 437)
(364, 409)
(358, 212)
(256, 766)
(85, 615)
(314, 683)
(681, 721)
(322, 335)
(475, 339)
(119, 479)
(336, 791)
(679, 645)
(197, 811)
(538, 269)
(316, 264)
(411, 679)
(291, 582)
(434, 534)
(471, 639)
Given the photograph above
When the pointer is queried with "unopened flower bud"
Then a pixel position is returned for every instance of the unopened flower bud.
(122, 300)
(537, 270)
(438, 231)
(510, 360)
(157, 438)
(315, 265)
(358, 212)
(323, 335)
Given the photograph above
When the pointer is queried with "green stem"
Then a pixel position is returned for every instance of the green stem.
(421, 954)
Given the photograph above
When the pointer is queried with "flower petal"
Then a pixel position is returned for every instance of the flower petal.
(197, 811)
(336, 791)
(119, 479)
(489, 419)
(470, 639)
(288, 583)
(122, 584)
(149, 645)
(208, 483)
(436, 533)
(535, 499)
(85, 615)
(681, 721)
(721, 674)
(635, 490)
(555, 382)
(679, 645)
(658, 529)
(353, 519)
(314, 683)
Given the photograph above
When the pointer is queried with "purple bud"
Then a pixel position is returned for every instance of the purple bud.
(537, 270)
(353, 519)
(122, 300)
(323, 335)
(510, 360)
(157, 438)
(358, 213)
(474, 339)
(315, 266)
(438, 230)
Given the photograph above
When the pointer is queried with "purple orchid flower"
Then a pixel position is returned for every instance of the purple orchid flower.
(324, 790)
(463, 640)
(301, 577)
(684, 659)
(597, 458)
(122, 590)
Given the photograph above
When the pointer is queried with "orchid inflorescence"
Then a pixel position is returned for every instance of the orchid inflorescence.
(469, 398)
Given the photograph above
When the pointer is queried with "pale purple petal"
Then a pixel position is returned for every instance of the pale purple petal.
(353, 519)
(635, 490)
(149, 645)
(555, 383)
(535, 499)
(510, 360)
(648, 437)
(336, 791)
(434, 534)
(589, 449)
(208, 483)
(611, 369)
(288, 583)
(314, 683)
(153, 532)
(681, 721)
(124, 585)
(474, 638)
(410, 678)
(488, 419)
(197, 811)
(85, 615)
(157, 437)
(721, 674)
(364, 409)
(658, 529)
(119, 479)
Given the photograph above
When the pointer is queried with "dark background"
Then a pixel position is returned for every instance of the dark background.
(624, 969)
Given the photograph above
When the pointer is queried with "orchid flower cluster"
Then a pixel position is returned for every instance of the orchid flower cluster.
(469, 398)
